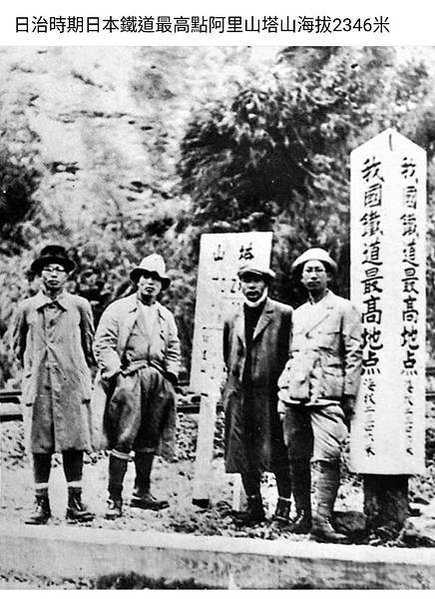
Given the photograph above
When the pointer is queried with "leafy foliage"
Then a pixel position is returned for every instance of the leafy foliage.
(16, 188)
(276, 156)
(20, 171)
(20, 174)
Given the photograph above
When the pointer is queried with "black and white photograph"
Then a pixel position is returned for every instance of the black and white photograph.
(217, 322)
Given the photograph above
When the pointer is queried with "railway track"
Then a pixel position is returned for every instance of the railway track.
(10, 405)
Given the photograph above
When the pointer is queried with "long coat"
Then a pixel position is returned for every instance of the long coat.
(326, 353)
(110, 343)
(269, 353)
(56, 376)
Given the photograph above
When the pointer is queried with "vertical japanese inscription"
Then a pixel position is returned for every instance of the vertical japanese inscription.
(411, 273)
(372, 283)
(218, 291)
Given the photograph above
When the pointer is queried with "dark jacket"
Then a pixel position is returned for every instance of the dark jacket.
(253, 435)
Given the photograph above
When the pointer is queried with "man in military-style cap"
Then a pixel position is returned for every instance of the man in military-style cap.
(138, 353)
(317, 391)
(52, 337)
(256, 344)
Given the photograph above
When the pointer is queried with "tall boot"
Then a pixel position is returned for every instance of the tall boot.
(42, 511)
(117, 470)
(283, 505)
(327, 483)
(254, 512)
(142, 497)
(282, 511)
(76, 510)
(301, 480)
(41, 473)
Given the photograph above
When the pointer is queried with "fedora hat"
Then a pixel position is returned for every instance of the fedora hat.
(52, 253)
(315, 254)
(155, 264)
(256, 269)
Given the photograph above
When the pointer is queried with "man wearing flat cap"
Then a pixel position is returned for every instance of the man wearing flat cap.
(52, 337)
(138, 354)
(317, 392)
(256, 345)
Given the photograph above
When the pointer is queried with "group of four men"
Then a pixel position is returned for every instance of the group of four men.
(309, 357)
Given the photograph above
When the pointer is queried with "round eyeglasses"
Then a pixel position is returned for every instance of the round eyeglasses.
(56, 269)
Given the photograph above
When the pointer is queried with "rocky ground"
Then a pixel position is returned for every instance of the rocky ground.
(174, 481)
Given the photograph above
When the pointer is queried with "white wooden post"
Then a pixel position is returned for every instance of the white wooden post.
(204, 450)
(388, 282)
(239, 495)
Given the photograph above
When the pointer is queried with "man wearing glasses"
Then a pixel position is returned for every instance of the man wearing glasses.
(52, 338)
(138, 353)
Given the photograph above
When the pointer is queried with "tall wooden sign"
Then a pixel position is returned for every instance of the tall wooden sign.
(388, 216)
(218, 289)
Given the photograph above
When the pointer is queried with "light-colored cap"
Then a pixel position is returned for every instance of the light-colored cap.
(315, 254)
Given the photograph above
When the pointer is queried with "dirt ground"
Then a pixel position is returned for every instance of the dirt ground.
(173, 481)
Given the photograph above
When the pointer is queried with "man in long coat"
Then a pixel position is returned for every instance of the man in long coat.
(256, 346)
(52, 338)
(317, 392)
(138, 353)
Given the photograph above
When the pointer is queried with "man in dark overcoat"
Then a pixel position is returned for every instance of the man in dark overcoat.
(256, 345)
(52, 337)
(138, 352)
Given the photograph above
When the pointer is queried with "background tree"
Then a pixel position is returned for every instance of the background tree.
(276, 155)
(20, 173)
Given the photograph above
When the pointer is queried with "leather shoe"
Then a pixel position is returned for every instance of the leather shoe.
(301, 523)
(41, 512)
(114, 509)
(148, 502)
